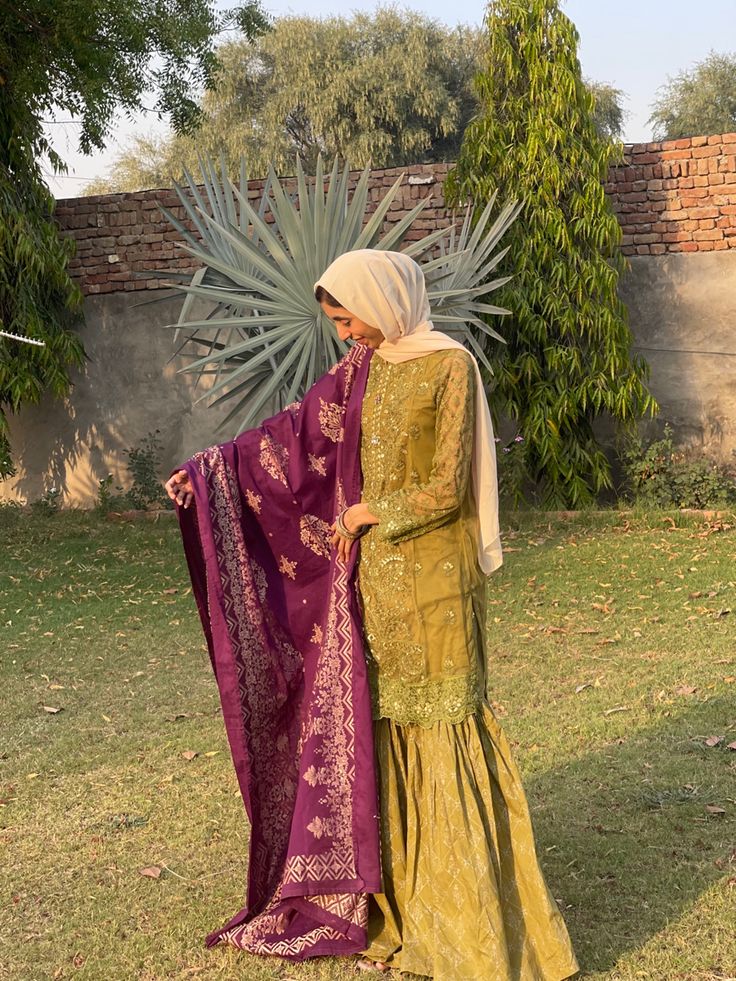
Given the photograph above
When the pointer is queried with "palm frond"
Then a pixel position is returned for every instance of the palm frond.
(264, 339)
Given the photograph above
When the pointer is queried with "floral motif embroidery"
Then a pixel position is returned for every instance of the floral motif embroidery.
(274, 459)
(450, 699)
(318, 827)
(315, 534)
(260, 582)
(316, 637)
(330, 420)
(287, 568)
(447, 568)
(317, 464)
(293, 408)
(254, 500)
(310, 775)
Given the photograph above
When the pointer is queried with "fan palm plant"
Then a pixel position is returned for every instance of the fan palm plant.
(265, 338)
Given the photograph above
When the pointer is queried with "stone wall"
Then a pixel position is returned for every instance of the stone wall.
(672, 199)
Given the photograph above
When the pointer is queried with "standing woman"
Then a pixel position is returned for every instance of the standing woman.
(461, 895)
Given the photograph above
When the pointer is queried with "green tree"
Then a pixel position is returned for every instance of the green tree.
(568, 357)
(387, 88)
(88, 59)
(699, 102)
(608, 112)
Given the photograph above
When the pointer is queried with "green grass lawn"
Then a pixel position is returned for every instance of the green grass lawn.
(613, 663)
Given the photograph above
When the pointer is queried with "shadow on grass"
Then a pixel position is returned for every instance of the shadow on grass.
(624, 835)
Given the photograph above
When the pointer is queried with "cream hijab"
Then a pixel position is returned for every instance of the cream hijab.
(387, 290)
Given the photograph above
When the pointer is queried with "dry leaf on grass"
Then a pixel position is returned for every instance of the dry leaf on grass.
(715, 809)
(603, 607)
(713, 740)
(685, 690)
(189, 754)
(619, 708)
(51, 709)
(151, 871)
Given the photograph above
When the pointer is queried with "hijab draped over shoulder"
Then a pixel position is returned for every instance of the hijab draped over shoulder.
(387, 290)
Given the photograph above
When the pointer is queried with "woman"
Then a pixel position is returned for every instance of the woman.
(462, 896)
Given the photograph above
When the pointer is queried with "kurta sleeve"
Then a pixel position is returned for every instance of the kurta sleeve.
(417, 509)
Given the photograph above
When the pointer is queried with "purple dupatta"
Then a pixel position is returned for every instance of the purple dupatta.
(281, 617)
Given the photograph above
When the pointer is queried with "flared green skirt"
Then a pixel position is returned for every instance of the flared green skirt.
(464, 897)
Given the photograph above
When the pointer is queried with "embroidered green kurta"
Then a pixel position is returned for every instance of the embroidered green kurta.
(422, 590)
(464, 896)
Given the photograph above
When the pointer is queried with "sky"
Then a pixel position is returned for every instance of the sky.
(633, 45)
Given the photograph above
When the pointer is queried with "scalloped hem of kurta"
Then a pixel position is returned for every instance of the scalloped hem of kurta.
(464, 896)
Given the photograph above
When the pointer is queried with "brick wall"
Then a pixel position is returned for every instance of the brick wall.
(122, 238)
(678, 196)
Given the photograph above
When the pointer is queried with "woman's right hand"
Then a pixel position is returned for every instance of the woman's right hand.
(179, 488)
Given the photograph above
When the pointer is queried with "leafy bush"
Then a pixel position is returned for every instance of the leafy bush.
(143, 466)
(662, 476)
(146, 489)
(49, 502)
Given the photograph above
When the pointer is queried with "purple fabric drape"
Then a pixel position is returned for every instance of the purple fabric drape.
(281, 617)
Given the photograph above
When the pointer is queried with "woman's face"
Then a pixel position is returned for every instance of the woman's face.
(349, 326)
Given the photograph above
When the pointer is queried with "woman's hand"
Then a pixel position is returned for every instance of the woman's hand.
(179, 488)
(342, 544)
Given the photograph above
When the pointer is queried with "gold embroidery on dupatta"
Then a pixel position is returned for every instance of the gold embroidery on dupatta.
(254, 500)
(319, 826)
(259, 580)
(317, 464)
(287, 568)
(330, 420)
(274, 459)
(333, 700)
(315, 534)
(244, 580)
